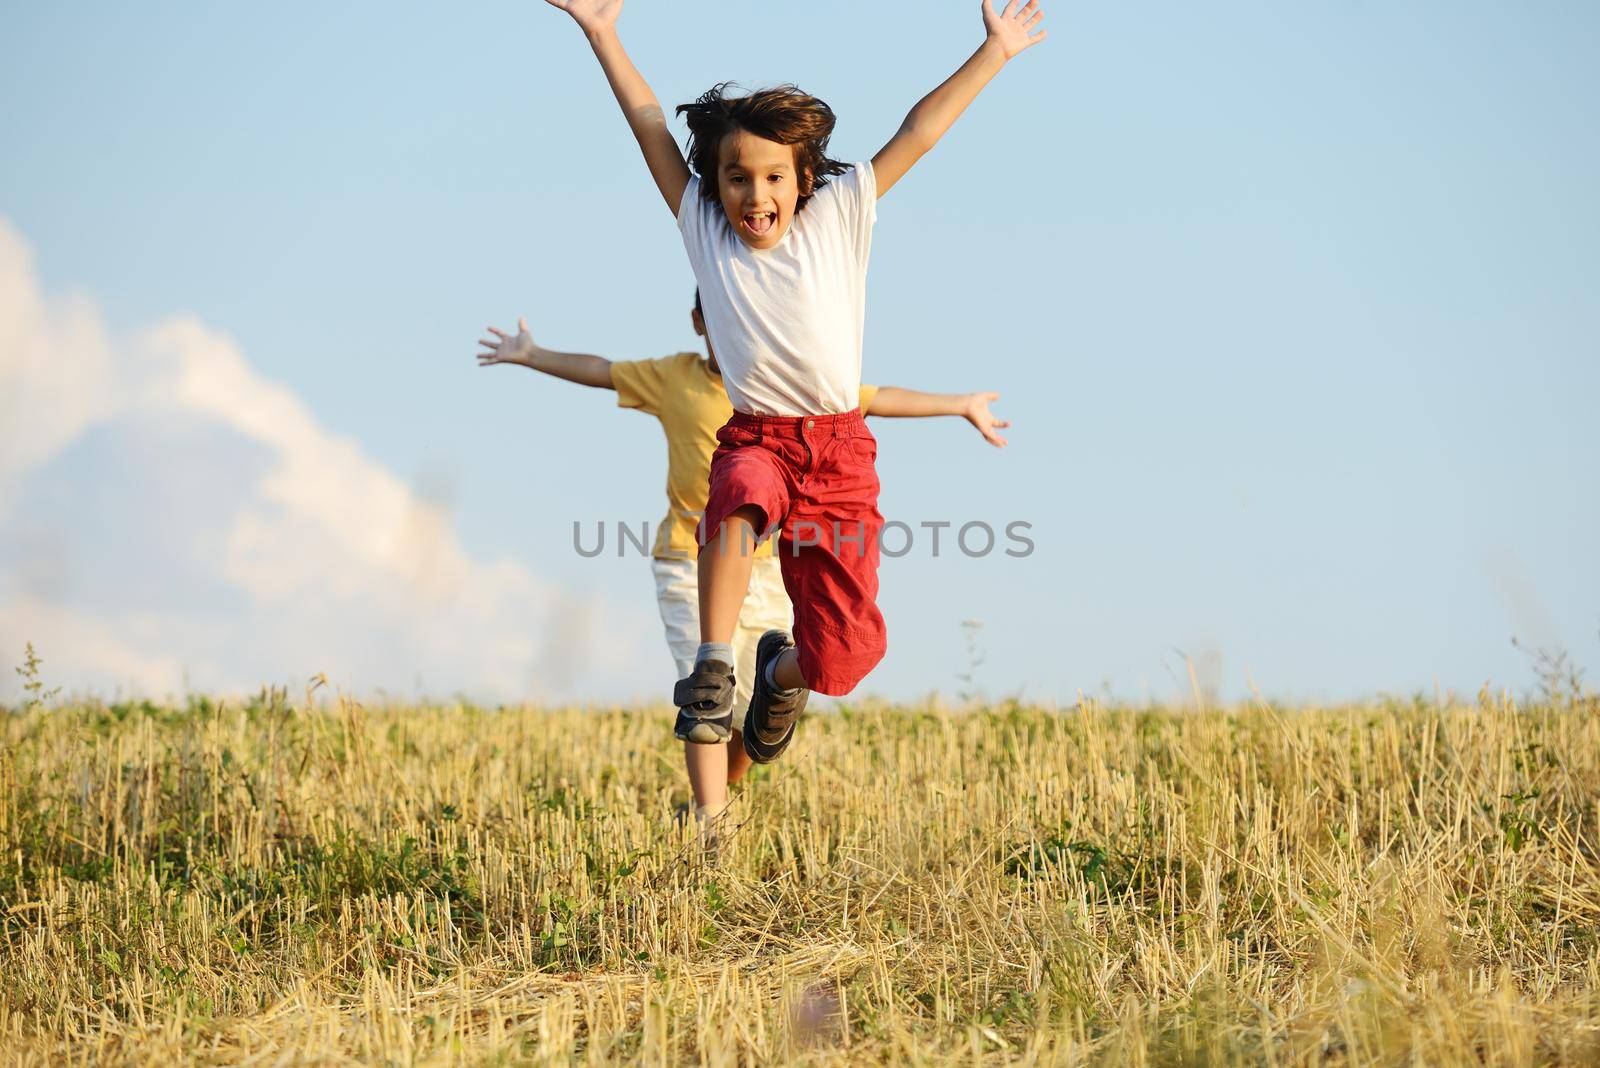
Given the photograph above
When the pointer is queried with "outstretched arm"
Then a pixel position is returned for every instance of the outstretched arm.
(519, 349)
(892, 401)
(1006, 34)
(598, 19)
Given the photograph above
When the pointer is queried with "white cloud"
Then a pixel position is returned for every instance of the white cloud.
(169, 516)
(55, 366)
(92, 645)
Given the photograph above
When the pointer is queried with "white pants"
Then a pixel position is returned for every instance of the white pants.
(766, 607)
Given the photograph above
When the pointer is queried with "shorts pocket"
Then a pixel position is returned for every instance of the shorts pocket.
(738, 437)
(863, 449)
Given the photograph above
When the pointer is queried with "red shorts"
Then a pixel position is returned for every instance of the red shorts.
(814, 481)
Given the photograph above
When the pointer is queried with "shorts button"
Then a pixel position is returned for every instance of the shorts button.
(810, 423)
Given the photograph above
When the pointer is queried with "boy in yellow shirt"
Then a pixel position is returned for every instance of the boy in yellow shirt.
(685, 393)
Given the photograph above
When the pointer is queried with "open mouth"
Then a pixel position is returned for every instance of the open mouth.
(760, 223)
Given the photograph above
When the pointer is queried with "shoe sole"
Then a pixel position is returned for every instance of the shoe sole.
(700, 731)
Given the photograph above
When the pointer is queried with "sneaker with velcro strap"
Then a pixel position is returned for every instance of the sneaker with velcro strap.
(705, 704)
(770, 720)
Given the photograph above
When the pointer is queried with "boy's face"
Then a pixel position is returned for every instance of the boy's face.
(760, 187)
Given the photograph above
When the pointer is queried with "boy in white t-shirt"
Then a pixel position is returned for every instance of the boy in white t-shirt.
(779, 236)
(685, 394)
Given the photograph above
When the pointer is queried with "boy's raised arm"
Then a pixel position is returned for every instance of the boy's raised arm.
(1006, 34)
(598, 20)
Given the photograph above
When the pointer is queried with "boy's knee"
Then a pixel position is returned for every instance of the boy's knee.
(737, 532)
(749, 519)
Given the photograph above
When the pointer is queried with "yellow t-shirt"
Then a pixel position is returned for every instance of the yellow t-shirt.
(692, 406)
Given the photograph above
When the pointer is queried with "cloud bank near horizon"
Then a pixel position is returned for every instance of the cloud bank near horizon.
(172, 519)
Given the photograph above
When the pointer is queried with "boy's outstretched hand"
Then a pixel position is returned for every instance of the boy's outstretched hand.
(508, 348)
(519, 349)
(1012, 29)
(591, 15)
(978, 414)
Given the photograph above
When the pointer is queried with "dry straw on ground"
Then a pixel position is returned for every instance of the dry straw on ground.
(266, 882)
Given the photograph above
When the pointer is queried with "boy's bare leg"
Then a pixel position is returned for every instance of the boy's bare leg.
(738, 759)
(725, 565)
(712, 769)
(708, 777)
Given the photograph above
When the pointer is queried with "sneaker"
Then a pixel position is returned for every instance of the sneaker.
(705, 704)
(769, 722)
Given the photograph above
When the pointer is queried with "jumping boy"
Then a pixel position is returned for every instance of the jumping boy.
(779, 236)
(685, 393)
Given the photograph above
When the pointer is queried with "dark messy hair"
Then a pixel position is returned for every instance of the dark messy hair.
(783, 114)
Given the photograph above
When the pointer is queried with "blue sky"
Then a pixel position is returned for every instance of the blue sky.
(1294, 308)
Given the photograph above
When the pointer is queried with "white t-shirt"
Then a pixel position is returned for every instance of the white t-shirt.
(786, 322)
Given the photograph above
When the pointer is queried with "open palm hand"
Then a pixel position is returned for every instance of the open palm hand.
(508, 348)
(1013, 29)
(978, 414)
(592, 15)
